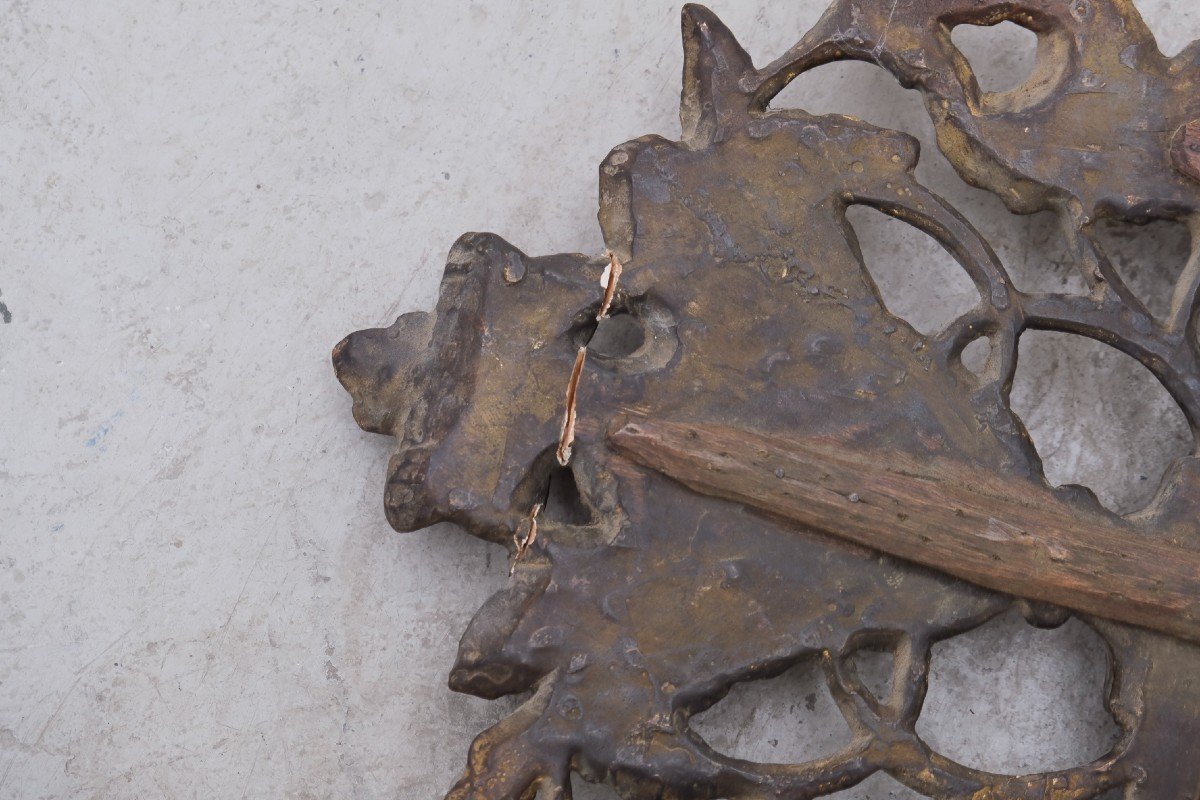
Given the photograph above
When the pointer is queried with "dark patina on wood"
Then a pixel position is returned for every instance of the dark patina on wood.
(729, 457)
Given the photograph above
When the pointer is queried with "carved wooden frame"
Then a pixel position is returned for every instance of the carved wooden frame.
(713, 453)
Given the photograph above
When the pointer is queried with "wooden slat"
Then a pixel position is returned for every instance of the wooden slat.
(1003, 533)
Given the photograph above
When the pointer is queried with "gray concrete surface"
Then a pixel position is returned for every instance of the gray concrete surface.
(199, 596)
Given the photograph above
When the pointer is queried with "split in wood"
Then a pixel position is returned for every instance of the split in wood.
(567, 439)
(523, 543)
(612, 275)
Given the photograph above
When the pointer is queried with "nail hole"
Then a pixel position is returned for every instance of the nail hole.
(617, 336)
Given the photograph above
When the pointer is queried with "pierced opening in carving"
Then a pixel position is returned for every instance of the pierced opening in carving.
(867, 92)
(856, 89)
(582, 789)
(1012, 699)
(919, 281)
(564, 502)
(787, 719)
(879, 786)
(1034, 252)
(556, 489)
(1001, 56)
(874, 668)
(1097, 417)
(1149, 258)
(618, 335)
(975, 355)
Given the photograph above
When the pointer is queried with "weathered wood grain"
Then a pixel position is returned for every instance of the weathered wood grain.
(1003, 533)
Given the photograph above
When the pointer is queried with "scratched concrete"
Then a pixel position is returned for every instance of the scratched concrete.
(199, 596)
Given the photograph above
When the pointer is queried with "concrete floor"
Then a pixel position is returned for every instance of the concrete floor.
(199, 596)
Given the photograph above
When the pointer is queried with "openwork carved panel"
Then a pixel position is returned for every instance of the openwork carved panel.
(714, 454)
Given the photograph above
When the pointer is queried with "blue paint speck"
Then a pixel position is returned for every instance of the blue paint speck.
(98, 435)
(105, 428)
